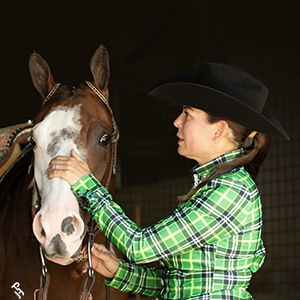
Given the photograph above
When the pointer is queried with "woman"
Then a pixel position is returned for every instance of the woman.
(211, 245)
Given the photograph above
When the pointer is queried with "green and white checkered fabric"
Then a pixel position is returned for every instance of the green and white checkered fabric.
(210, 245)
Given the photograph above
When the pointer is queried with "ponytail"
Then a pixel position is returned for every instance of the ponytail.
(254, 154)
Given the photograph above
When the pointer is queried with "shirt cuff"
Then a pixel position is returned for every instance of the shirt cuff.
(121, 280)
(86, 184)
(90, 193)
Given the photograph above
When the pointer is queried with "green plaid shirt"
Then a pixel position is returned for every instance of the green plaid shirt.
(210, 245)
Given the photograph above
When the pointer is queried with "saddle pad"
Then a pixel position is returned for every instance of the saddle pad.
(20, 165)
(12, 139)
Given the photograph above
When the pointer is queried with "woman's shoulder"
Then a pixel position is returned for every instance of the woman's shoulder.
(235, 183)
(236, 177)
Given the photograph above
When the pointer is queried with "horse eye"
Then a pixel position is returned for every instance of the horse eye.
(32, 141)
(104, 140)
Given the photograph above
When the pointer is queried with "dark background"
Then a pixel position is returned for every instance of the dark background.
(66, 34)
(147, 41)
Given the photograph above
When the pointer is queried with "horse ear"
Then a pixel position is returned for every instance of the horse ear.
(40, 74)
(100, 68)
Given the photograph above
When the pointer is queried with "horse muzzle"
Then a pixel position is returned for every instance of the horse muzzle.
(60, 237)
(64, 258)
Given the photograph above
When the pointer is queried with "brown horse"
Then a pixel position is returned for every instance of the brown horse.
(69, 118)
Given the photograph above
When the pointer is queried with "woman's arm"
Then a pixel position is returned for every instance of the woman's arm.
(136, 279)
(216, 213)
(124, 276)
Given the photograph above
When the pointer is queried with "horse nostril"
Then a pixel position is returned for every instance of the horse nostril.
(67, 226)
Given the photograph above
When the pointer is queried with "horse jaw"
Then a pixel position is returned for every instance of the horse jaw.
(58, 225)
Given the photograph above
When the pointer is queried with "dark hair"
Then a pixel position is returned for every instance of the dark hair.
(254, 154)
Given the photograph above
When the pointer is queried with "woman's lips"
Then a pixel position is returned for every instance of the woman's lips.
(179, 139)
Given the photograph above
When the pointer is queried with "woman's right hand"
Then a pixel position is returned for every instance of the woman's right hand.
(104, 261)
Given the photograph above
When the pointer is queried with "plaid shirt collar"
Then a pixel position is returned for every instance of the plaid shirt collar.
(201, 172)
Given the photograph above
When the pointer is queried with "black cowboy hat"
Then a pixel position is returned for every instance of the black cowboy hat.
(224, 91)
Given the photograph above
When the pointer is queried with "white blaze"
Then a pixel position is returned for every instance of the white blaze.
(57, 135)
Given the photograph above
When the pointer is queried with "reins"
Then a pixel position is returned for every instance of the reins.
(42, 292)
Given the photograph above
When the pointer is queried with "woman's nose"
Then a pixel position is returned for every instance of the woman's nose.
(177, 122)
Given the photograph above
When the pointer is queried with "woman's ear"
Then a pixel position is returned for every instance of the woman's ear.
(222, 128)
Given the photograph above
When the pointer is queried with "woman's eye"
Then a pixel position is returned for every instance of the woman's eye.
(104, 140)
(32, 141)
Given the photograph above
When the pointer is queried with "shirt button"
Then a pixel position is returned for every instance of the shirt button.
(78, 192)
(162, 282)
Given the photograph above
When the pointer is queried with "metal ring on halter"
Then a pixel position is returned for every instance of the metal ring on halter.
(44, 268)
(89, 247)
(56, 166)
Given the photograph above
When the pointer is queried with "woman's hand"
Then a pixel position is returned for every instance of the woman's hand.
(104, 261)
(70, 169)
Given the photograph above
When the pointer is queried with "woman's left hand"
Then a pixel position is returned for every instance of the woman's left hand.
(68, 168)
(104, 261)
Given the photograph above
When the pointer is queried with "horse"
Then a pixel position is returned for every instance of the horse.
(39, 217)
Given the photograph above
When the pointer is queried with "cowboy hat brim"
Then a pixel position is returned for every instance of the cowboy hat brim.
(220, 104)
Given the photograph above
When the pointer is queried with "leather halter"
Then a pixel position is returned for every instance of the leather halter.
(115, 133)
(45, 278)
(50, 94)
(112, 170)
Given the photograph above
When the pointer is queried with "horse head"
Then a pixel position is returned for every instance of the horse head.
(69, 118)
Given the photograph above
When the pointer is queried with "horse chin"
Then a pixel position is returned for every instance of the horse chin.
(64, 261)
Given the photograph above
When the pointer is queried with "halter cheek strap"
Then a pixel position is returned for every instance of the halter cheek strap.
(115, 133)
(112, 170)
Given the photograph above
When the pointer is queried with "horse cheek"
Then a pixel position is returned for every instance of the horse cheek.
(97, 160)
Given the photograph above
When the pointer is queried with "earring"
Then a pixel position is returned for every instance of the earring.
(214, 142)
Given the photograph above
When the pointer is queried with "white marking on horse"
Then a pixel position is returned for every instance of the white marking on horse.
(56, 135)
